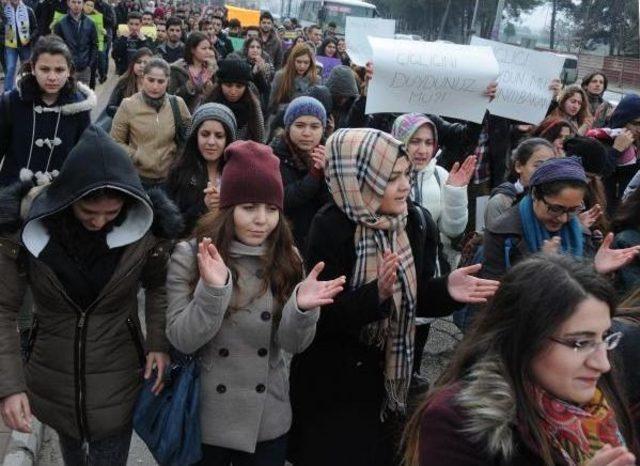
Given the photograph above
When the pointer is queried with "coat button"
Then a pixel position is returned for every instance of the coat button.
(224, 352)
(262, 352)
(260, 388)
(221, 388)
(266, 315)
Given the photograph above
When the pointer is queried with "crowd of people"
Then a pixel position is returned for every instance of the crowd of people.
(299, 249)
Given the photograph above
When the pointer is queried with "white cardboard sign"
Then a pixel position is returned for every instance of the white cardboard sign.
(523, 84)
(430, 77)
(358, 29)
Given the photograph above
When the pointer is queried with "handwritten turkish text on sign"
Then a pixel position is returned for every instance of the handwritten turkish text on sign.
(430, 77)
(523, 83)
(356, 32)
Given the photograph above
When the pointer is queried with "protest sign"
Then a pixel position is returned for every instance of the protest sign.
(246, 16)
(356, 33)
(523, 82)
(328, 64)
(430, 77)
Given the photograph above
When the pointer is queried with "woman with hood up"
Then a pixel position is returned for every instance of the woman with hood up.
(621, 138)
(42, 118)
(90, 240)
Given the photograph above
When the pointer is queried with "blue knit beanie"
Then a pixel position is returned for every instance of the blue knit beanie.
(560, 169)
(627, 110)
(304, 106)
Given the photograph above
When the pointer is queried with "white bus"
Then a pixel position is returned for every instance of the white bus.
(322, 12)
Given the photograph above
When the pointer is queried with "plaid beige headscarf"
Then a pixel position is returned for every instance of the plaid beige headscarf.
(359, 165)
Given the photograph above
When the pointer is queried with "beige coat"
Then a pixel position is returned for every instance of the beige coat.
(147, 135)
(244, 373)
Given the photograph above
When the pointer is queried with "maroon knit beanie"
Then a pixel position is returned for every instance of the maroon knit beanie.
(251, 174)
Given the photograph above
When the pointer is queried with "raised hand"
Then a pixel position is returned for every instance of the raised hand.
(315, 293)
(623, 140)
(16, 412)
(465, 288)
(387, 275)
(460, 175)
(318, 156)
(491, 90)
(211, 197)
(591, 216)
(213, 270)
(609, 260)
(608, 456)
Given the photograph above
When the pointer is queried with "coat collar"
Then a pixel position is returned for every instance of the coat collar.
(488, 402)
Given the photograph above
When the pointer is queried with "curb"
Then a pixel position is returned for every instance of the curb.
(23, 449)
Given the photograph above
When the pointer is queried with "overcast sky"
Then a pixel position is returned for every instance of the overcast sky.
(538, 18)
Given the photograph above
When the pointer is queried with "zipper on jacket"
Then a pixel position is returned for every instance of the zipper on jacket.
(79, 357)
(136, 341)
(80, 337)
(33, 333)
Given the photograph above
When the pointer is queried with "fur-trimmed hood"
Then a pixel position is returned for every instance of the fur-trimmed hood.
(489, 405)
(85, 100)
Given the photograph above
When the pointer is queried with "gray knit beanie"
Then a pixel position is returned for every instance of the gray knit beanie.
(217, 112)
(342, 82)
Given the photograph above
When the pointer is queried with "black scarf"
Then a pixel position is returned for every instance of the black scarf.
(594, 102)
(81, 259)
(240, 109)
(155, 103)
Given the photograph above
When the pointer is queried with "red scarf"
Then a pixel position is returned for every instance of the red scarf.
(578, 432)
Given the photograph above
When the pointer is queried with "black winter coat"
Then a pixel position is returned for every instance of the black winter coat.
(34, 129)
(124, 48)
(337, 384)
(304, 193)
(82, 39)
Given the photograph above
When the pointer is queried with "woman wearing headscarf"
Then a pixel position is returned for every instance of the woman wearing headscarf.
(352, 383)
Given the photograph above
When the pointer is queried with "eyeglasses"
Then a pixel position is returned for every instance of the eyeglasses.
(587, 347)
(558, 210)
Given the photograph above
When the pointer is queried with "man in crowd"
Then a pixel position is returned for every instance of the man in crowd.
(331, 30)
(314, 34)
(173, 48)
(20, 30)
(270, 42)
(45, 12)
(109, 23)
(127, 44)
(147, 18)
(235, 28)
(220, 41)
(81, 36)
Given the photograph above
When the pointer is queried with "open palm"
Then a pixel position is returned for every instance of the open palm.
(213, 270)
(465, 288)
(609, 260)
(314, 293)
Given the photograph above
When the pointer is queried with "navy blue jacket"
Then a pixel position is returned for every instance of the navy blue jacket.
(82, 39)
(29, 127)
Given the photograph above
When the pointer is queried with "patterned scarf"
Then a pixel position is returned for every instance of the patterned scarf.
(578, 432)
(17, 25)
(360, 163)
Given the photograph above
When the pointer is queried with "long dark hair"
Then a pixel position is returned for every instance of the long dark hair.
(282, 264)
(535, 297)
(188, 176)
(566, 94)
(523, 152)
(628, 213)
(129, 81)
(246, 109)
(193, 41)
(322, 49)
(587, 79)
(53, 45)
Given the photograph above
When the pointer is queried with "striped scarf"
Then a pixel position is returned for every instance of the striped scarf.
(17, 25)
(360, 163)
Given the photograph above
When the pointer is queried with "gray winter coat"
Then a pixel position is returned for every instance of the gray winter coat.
(244, 373)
